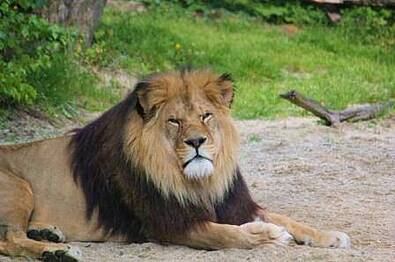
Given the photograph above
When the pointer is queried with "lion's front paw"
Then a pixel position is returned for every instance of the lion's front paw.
(261, 233)
(335, 239)
(69, 254)
(47, 232)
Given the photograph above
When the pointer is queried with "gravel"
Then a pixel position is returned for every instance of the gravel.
(341, 179)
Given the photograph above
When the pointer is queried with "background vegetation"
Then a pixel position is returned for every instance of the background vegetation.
(268, 46)
(39, 66)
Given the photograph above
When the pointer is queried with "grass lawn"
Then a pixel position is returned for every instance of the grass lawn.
(329, 63)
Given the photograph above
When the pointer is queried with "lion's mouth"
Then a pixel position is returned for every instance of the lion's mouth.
(198, 167)
(197, 157)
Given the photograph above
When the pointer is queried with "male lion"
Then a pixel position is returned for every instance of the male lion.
(159, 166)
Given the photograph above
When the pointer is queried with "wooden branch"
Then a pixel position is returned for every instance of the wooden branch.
(332, 118)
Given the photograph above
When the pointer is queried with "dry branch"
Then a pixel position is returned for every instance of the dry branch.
(332, 118)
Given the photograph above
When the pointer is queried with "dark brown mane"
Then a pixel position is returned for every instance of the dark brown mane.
(128, 203)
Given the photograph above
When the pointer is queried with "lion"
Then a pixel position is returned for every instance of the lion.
(159, 166)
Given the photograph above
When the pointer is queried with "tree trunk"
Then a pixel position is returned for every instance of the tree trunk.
(83, 14)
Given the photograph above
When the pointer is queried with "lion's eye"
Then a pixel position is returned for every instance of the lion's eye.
(173, 121)
(206, 116)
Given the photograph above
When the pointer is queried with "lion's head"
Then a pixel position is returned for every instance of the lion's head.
(167, 150)
(182, 133)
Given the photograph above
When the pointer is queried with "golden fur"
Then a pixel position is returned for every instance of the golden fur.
(159, 166)
(147, 145)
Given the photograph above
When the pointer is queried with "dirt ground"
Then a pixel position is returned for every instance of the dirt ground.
(341, 179)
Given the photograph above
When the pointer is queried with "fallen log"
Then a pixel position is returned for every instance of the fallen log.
(333, 118)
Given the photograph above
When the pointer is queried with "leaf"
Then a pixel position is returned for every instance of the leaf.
(39, 3)
(3, 36)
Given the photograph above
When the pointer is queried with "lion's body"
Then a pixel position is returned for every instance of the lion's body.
(159, 166)
(58, 200)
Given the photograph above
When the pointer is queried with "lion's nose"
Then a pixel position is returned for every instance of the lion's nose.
(195, 142)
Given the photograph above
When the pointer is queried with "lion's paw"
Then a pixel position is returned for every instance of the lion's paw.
(332, 239)
(70, 254)
(335, 239)
(267, 233)
(49, 233)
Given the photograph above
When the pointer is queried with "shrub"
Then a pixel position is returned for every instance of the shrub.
(27, 44)
(367, 24)
(38, 65)
(281, 11)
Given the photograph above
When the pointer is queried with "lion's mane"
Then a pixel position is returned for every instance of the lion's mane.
(127, 199)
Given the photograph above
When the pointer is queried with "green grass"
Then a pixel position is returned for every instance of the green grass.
(326, 62)
(63, 88)
(66, 86)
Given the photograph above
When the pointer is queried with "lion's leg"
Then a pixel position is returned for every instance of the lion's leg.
(217, 236)
(310, 236)
(17, 244)
(39, 231)
(16, 206)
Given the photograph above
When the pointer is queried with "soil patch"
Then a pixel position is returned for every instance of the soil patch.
(341, 179)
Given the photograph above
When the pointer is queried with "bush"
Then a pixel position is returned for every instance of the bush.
(27, 43)
(368, 25)
(281, 11)
(37, 61)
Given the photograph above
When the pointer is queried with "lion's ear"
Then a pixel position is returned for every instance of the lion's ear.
(225, 84)
(141, 90)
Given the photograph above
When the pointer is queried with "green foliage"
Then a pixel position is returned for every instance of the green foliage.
(364, 23)
(266, 60)
(351, 62)
(282, 11)
(37, 61)
(368, 25)
(27, 43)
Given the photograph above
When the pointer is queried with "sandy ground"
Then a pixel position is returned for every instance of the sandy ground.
(341, 179)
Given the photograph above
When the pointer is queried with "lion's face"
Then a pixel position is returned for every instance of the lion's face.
(191, 129)
(186, 134)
